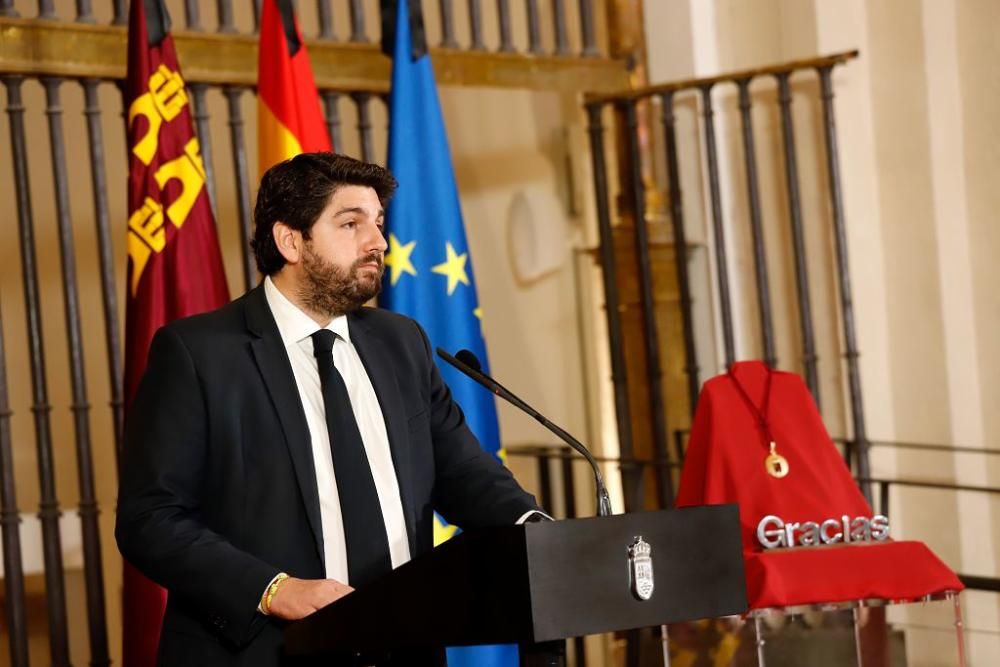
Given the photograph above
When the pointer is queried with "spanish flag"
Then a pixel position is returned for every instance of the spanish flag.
(289, 119)
(174, 262)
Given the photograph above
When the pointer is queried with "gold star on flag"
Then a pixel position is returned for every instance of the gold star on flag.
(398, 259)
(442, 531)
(453, 268)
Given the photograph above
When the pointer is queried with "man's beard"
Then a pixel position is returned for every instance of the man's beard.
(331, 291)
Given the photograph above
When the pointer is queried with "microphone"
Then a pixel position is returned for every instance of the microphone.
(467, 363)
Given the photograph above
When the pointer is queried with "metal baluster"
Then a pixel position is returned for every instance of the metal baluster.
(10, 523)
(330, 99)
(46, 9)
(883, 498)
(256, 15)
(448, 40)
(192, 16)
(619, 379)
(88, 510)
(858, 641)
(105, 253)
(959, 628)
(201, 118)
(84, 12)
(665, 644)
(7, 9)
(720, 236)
(559, 21)
(569, 487)
(758, 629)
(224, 9)
(860, 440)
(534, 31)
(358, 22)
(361, 101)
(809, 357)
(476, 26)
(384, 99)
(121, 13)
(679, 448)
(233, 95)
(503, 14)
(123, 93)
(680, 248)
(632, 640)
(55, 592)
(651, 334)
(756, 226)
(587, 28)
(544, 479)
(570, 512)
(325, 20)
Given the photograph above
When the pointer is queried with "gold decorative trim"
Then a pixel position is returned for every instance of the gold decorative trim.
(39, 48)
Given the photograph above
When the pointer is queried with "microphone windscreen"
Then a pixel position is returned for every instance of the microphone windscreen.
(469, 359)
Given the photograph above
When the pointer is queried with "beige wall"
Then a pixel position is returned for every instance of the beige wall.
(919, 162)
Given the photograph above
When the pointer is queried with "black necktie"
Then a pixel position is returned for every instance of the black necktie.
(364, 529)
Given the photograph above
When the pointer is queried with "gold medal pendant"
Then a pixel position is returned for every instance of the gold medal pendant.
(776, 464)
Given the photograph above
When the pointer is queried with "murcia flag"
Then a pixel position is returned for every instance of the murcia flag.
(289, 120)
(174, 264)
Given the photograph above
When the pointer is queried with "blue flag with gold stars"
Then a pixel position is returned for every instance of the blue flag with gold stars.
(429, 269)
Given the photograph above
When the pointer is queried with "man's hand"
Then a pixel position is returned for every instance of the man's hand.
(297, 598)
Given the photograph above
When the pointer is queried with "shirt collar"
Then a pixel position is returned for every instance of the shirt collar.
(293, 323)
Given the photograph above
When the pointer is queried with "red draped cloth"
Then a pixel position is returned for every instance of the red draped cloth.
(725, 464)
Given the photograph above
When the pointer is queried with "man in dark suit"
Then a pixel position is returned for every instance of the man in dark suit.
(294, 445)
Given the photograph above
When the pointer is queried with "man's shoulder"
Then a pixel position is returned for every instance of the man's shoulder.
(391, 330)
(386, 320)
(226, 321)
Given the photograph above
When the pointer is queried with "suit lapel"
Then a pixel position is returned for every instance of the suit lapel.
(275, 369)
(380, 371)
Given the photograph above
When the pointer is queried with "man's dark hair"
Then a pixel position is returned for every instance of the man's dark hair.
(296, 191)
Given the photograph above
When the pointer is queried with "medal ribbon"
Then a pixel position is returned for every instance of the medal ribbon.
(775, 464)
(758, 413)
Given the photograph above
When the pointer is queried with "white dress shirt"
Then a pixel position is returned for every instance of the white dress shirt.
(296, 328)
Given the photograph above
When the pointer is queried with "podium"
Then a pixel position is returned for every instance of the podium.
(539, 582)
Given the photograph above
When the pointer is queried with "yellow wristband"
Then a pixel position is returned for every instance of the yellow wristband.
(272, 590)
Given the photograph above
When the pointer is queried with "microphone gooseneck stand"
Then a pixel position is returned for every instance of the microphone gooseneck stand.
(467, 363)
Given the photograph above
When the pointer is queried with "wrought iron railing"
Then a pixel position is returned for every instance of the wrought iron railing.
(636, 144)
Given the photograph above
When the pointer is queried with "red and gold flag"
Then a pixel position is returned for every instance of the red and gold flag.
(289, 119)
(174, 267)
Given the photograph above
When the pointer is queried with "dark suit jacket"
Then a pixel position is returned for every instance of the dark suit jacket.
(218, 490)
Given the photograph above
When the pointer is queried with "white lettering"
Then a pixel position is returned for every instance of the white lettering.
(790, 529)
(810, 534)
(880, 527)
(773, 532)
(771, 537)
(861, 530)
(826, 537)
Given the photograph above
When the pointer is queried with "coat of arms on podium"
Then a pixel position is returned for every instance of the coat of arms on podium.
(640, 561)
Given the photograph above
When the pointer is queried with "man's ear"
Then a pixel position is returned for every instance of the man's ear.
(289, 242)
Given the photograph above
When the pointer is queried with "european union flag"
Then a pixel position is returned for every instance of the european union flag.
(430, 272)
